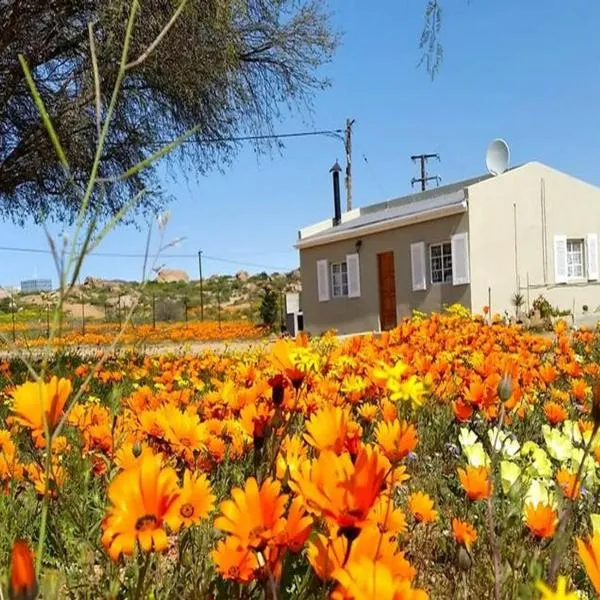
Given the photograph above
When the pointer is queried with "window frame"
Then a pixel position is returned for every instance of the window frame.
(339, 289)
(447, 278)
(582, 253)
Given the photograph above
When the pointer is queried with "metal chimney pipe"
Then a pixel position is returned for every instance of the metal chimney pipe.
(337, 206)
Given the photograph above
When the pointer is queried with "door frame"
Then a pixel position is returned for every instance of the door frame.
(379, 288)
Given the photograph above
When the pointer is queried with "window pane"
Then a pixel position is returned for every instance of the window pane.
(440, 262)
(575, 259)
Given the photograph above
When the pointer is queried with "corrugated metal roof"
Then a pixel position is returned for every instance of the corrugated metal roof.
(405, 206)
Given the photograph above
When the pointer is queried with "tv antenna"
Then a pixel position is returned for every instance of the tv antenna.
(423, 158)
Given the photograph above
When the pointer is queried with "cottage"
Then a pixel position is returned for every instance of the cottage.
(531, 230)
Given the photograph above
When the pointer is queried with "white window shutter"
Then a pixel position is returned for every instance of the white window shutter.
(323, 280)
(460, 259)
(592, 256)
(417, 265)
(560, 259)
(353, 266)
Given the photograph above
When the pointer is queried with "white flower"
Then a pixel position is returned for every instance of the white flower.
(539, 493)
(559, 445)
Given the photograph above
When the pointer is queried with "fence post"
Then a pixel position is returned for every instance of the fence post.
(47, 320)
(219, 306)
(82, 314)
(185, 309)
(153, 311)
(13, 307)
(119, 309)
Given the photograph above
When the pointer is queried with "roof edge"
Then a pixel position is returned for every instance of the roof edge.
(386, 225)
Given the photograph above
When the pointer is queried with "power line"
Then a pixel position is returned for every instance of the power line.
(132, 255)
(258, 138)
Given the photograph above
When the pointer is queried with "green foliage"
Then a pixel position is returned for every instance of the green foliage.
(242, 60)
(269, 308)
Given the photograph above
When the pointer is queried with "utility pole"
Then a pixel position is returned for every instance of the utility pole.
(348, 148)
(423, 158)
(201, 291)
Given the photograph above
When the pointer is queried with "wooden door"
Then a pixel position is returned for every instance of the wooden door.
(387, 290)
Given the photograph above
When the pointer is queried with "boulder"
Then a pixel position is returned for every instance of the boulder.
(171, 275)
(242, 276)
(107, 284)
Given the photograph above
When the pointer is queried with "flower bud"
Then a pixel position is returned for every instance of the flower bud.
(22, 584)
(463, 558)
(505, 387)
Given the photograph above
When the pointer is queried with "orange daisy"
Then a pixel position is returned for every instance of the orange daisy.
(194, 502)
(141, 497)
(326, 429)
(589, 553)
(254, 515)
(372, 580)
(421, 506)
(36, 403)
(566, 480)
(234, 560)
(396, 439)
(341, 490)
(555, 413)
(541, 520)
(476, 482)
(464, 533)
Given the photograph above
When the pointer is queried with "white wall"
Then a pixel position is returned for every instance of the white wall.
(572, 208)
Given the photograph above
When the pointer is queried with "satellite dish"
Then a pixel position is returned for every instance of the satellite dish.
(497, 157)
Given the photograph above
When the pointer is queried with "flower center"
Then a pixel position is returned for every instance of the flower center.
(186, 510)
(146, 522)
(233, 572)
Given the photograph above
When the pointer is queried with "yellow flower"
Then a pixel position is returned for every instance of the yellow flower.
(412, 389)
(560, 593)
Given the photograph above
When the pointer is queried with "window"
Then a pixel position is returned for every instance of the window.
(440, 262)
(339, 279)
(575, 259)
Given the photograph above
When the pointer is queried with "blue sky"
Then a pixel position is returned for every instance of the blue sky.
(525, 71)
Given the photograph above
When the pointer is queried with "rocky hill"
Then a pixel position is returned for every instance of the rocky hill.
(171, 296)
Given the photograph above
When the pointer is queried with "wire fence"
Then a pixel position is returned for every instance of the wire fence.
(152, 312)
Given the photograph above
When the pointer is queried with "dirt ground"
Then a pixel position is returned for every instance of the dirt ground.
(153, 349)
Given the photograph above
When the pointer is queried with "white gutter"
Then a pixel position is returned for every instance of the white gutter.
(384, 225)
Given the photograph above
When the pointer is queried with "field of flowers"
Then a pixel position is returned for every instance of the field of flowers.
(103, 334)
(449, 458)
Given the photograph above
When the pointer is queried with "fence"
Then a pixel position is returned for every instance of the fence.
(83, 316)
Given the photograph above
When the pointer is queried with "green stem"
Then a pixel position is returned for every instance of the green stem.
(141, 578)
(495, 550)
(45, 504)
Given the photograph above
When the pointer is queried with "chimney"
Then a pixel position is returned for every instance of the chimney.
(337, 206)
